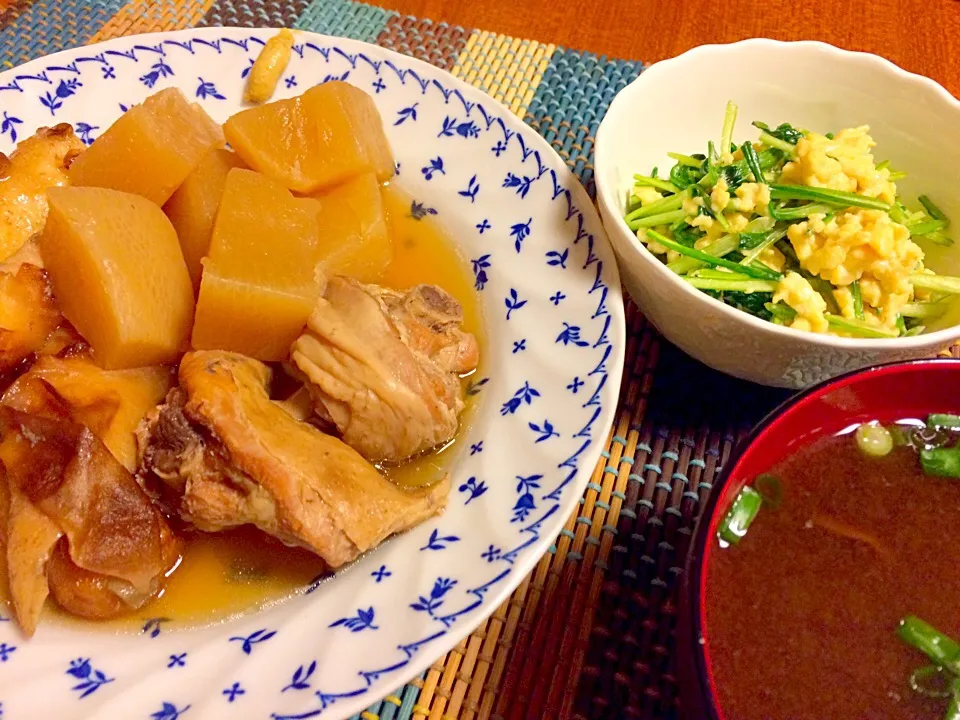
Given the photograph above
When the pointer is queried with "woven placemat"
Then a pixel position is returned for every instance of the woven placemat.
(589, 634)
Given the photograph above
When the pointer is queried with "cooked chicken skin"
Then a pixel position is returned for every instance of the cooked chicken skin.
(29, 538)
(81, 592)
(382, 365)
(28, 310)
(59, 479)
(28, 313)
(111, 403)
(429, 320)
(39, 162)
(232, 456)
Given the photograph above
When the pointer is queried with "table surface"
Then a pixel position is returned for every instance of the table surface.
(920, 35)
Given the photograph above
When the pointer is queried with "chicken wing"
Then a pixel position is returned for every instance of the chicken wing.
(28, 314)
(383, 366)
(39, 162)
(232, 456)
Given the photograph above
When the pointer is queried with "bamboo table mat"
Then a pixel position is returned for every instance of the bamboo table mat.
(590, 633)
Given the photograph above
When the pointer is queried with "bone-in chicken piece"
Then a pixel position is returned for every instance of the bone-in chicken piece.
(383, 366)
(39, 162)
(232, 456)
(112, 529)
(429, 320)
(28, 313)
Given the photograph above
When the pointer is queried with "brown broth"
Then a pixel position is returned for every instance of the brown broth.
(801, 616)
(240, 571)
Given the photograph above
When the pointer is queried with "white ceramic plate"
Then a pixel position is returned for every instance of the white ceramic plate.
(547, 387)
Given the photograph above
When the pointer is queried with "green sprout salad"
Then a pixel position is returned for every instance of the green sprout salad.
(800, 229)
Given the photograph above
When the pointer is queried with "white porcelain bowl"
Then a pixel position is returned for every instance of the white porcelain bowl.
(677, 105)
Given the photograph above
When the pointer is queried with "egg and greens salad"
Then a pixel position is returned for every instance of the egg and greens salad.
(800, 229)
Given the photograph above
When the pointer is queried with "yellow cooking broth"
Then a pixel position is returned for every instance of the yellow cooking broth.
(424, 253)
(242, 570)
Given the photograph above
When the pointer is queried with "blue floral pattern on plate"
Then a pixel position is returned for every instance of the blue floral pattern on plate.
(547, 389)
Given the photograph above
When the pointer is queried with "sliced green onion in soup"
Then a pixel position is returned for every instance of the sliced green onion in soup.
(901, 436)
(942, 649)
(941, 462)
(953, 707)
(940, 449)
(932, 681)
(943, 420)
(874, 440)
(770, 489)
(740, 515)
(942, 678)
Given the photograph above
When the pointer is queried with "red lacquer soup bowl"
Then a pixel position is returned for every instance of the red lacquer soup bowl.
(885, 393)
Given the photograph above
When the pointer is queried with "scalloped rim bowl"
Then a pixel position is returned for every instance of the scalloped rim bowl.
(808, 83)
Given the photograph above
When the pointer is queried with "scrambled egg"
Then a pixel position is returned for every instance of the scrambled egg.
(658, 249)
(772, 258)
(844, 299)
(810, 307)
(843, 163)
(715, 230)
(863, 245)
(646, 194)
(857, 244)
(753, 197)
(691, 205)
(720, 196)
(859, 261)
(655, 247)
